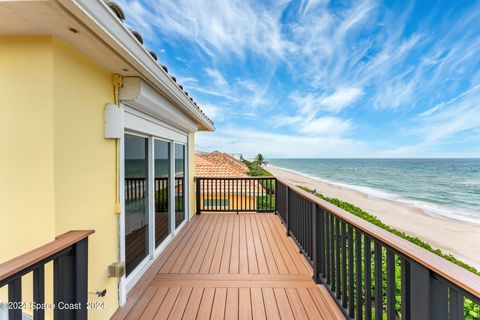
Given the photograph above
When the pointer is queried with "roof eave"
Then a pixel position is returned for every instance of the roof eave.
(98, 17)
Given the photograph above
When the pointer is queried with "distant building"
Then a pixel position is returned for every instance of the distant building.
(221, 193)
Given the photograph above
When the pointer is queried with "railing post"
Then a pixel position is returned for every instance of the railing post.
(287, 211)
(15, 296)
(197, 195)
(315, 244)
(428, 296)
(71, 282)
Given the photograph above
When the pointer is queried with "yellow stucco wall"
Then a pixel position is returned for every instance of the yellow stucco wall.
(241, 202)
(27, 203)
(85, 165)
(26, 128)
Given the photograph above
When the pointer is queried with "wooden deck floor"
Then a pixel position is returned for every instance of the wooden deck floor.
(227, 266)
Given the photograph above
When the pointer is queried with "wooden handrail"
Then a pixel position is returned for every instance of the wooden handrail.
(461, 277)
(26, 260)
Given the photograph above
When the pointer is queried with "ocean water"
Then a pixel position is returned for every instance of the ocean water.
(449, 187)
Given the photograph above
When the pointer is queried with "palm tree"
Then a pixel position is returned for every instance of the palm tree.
(260, 160)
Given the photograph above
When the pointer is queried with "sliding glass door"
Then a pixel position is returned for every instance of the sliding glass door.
(161, 190)
(155, 195)
(179, 184)
(136, 201)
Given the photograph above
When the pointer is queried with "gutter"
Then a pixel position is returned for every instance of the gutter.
(104, 24)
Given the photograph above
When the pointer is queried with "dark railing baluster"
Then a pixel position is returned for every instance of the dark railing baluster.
(358, 274)
(338, 244)
(391, 285)
(332, 252)
(327, 245)
(344, 265)
(405, 290)
(378, 282)
(368, 277)
(351, 286)
(39, 292)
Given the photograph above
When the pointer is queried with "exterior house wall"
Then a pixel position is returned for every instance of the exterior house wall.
(85, 165)
(244, 201)
(27, 208)
(57, 169)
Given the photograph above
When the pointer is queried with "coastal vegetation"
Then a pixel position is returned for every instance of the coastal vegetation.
(471, 310)
(255, 167)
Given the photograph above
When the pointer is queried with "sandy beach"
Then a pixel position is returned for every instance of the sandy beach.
(459, 238)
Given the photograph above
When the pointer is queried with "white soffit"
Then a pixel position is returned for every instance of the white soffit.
(141, 96)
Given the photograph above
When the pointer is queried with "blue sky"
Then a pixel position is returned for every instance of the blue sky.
(324, 78)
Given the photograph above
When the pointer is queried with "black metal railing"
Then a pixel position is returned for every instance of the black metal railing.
(246, 194)
(136, 190)
(370, 272)
(69, 253)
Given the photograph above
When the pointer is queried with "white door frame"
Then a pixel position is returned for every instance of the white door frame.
(145, 126)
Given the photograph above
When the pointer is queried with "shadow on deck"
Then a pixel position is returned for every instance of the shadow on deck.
(224, 266)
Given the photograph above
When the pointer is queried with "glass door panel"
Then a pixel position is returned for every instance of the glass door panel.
(161, 189)
(136, 201)
(179, 184)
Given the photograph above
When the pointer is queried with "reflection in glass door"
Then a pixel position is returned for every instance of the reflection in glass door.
(136, 201)
(161, 189)
(179, 184)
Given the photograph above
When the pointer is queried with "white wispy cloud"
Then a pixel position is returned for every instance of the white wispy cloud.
(309, 65)
(214, 25)
(248, 142)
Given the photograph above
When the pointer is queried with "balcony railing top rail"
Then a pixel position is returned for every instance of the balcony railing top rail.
(69, 253)
(370, 271)
(450, 271)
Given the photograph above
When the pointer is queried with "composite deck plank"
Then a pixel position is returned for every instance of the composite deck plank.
(205, 265)
(292, 249)
(269, 256)
(296, 304)
(260, 254)
(330, 305)
(197, 254)
(244, 304)
(206, 303)
(218, 307)
(235, 254)
(180, 304)
(139, 308)
(282, 267)
(270, 301)
(252, 256)
(309, 304)
(231, 305)
(217, 256)
(179, 255)
(193, 304)
(139, 289)
(167, 304)
(154, 303)
(283, 304)
(283, 247)
(243, 262)
(227, 247)
(258, 305)
(230, 267)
